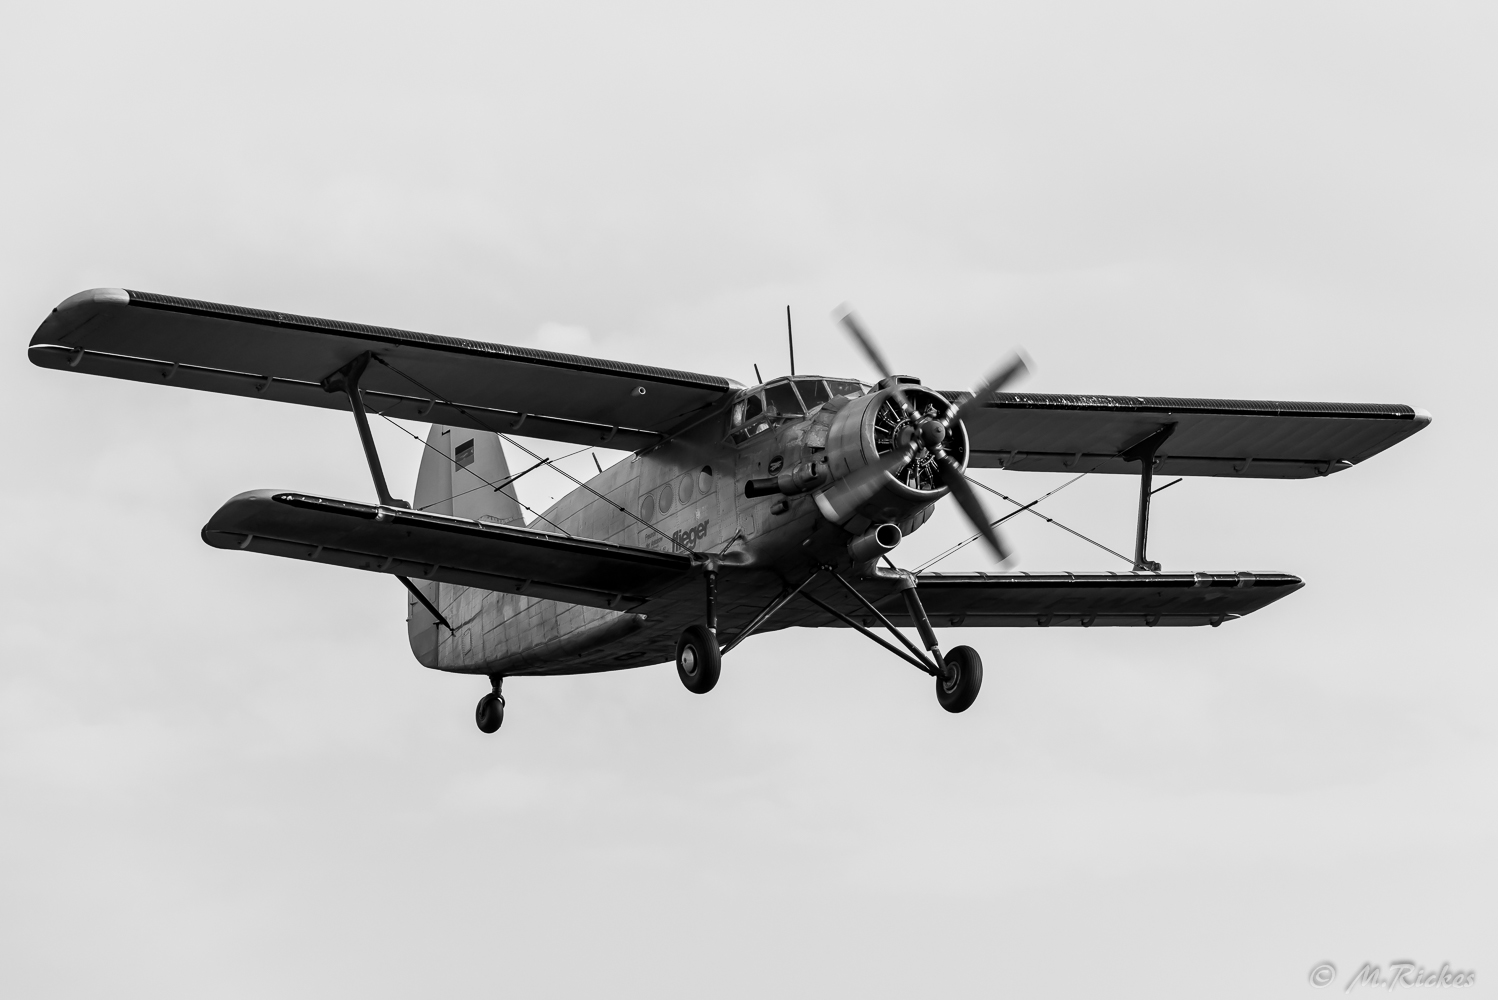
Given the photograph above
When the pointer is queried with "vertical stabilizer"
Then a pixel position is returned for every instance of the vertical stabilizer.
(459, 470)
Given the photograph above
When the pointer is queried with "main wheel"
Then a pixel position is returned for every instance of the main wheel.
(957, 686)
(697, 661)
(490, 713)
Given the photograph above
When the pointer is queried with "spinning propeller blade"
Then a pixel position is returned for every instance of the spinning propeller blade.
(862, 484)
(850, 322)
(876, 357)
(1013, 367)
(967, 499)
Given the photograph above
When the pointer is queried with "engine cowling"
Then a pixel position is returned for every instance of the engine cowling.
(870, 427)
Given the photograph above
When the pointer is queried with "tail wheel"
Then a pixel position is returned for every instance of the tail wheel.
(697, 661)
(490, 713)
(957, 686)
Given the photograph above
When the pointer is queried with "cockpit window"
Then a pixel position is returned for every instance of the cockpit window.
(813, 391)
(782, 399)
(749, 418)
(842, 387)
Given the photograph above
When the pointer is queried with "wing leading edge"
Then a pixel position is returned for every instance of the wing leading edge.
(270, 355)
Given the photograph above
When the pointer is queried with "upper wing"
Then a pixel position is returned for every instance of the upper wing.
(251, 352)
(427, 546)
(1262, 439)
(978, 600)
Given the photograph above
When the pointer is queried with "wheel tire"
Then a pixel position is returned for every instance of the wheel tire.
(958, 688)
(490, 713)
(697, 661)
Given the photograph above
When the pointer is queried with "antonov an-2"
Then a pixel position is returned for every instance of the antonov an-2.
(739, 510)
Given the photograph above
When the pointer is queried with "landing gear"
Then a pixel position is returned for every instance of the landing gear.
(697, 661)
(957, 685)
(490, 713)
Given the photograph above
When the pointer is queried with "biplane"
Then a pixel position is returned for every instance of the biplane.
(739, 510)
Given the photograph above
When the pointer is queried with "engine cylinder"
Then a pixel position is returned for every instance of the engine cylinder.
(866, 430)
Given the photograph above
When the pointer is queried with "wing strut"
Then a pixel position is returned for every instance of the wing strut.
(1144, 453)
(346, 381)
(416, 593)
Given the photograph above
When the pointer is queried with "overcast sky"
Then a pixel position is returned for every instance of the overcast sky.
(225, 775)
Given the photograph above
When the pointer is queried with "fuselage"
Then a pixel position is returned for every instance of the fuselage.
(686, 495)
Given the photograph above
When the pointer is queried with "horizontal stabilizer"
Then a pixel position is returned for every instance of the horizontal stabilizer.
(426, 546)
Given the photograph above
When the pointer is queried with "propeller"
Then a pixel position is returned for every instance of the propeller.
(928, 433)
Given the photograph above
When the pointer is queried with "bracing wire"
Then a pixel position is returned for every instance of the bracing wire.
(1025, 508)
(497, 488)
(505, 437)
(503, 482)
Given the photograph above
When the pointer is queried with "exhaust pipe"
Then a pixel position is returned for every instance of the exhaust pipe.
(806, 476)
(875, 542)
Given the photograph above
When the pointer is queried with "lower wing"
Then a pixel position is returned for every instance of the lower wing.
(984, 600)
(426, 546)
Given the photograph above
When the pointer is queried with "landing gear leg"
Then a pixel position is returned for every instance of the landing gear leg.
(918, 615)
(490, 713)
(961, 672)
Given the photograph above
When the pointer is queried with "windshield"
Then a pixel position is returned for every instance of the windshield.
(843, 387)
(813, 391)
(782, 399)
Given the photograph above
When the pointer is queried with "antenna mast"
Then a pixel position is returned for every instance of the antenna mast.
(790, 337)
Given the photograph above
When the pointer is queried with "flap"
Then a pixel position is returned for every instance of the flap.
(284, 357)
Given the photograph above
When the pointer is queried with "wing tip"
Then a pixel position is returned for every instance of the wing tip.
(100, 296)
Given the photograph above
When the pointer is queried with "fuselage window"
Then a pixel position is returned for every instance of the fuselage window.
(813, 391)
(705, 480)
(664, 499)
(782, 399)
(647, 506)
(464, 455)
(684, 489)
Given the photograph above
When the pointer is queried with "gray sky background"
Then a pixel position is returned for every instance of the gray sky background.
(224, 775)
